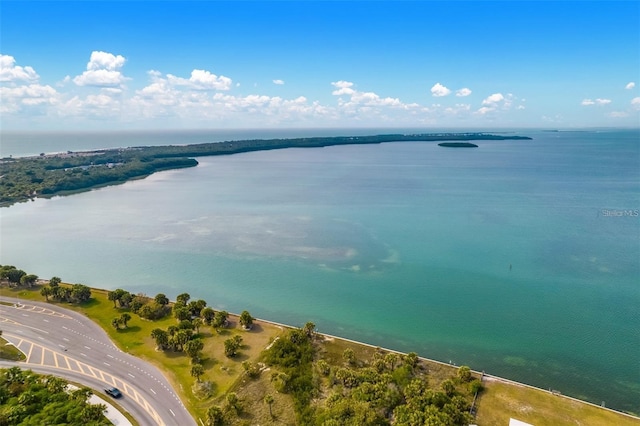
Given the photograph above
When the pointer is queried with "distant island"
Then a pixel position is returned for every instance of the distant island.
(25, 178)
(458, 145)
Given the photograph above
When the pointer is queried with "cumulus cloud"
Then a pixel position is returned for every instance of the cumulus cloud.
(103, 70)
(635, 103)
(342, 88)
(364, 99)
(493, 99)
(465, 91)
(603, 101)
(587, 102)
(438, 90)
(499, 102)
(10, 72)
(201, 80)
(15, 98)
(630, 85)
(278, 82)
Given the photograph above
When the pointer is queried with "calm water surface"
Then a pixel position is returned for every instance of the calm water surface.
(520, 258)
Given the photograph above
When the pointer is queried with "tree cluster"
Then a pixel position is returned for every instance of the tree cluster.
(77, 293)
(32, 400)
(293, 355)
(392, 389)
(140, 304)
(16, 277)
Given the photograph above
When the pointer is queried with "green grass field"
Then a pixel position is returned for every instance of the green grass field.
(10, 352)
(501, 401)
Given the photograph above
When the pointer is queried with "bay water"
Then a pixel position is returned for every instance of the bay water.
(519, 258)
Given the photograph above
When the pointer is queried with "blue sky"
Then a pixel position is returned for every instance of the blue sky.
(206, 64)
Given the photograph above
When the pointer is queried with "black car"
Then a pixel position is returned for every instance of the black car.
(114, 392)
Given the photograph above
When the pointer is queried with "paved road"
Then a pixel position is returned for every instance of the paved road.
(62, 342)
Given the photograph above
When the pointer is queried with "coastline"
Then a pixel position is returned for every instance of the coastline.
(45, 175)
(486, 379)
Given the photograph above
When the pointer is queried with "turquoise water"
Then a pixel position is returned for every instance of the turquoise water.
(520, 258)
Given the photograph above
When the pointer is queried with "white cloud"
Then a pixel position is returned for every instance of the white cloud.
(618, 114)
(494, 99)
(278, 82)
(498, 102)
(201, 80)
(361, 100)
(599, 101)
(630, 85)
(465, 91)
(343, 88)
(635, 103)
(102, 71)
(458, 109)
(104, 61)
(10, 72)
(15, 98)
(438, 90)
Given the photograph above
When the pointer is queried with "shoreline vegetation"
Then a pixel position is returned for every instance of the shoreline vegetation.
(239, 370)
(25, 178)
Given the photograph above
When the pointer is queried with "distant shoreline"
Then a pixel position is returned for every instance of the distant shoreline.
(26, 178)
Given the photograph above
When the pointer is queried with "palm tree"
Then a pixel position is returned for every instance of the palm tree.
(115, 323)
(268, 398)
(124, 318)
(197, 323)
(246, 320)
(46, 292)
(309, 329)
(233, 401)
(215, 416)
(161, 337)
(197, 370)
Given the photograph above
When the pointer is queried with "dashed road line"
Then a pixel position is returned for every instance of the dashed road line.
(86, 370)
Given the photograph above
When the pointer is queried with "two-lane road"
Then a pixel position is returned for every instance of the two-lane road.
(64, 343)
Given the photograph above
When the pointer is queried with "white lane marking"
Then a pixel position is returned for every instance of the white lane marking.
(174, 414)
(45, 320)
(87, 347)
(65, 339)
(131, 375)
(110, 356)
(25, 315)
(62, 346)
(82, 354)
(154, 392)
(107, 364)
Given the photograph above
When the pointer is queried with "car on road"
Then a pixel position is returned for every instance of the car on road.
(114, 392)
